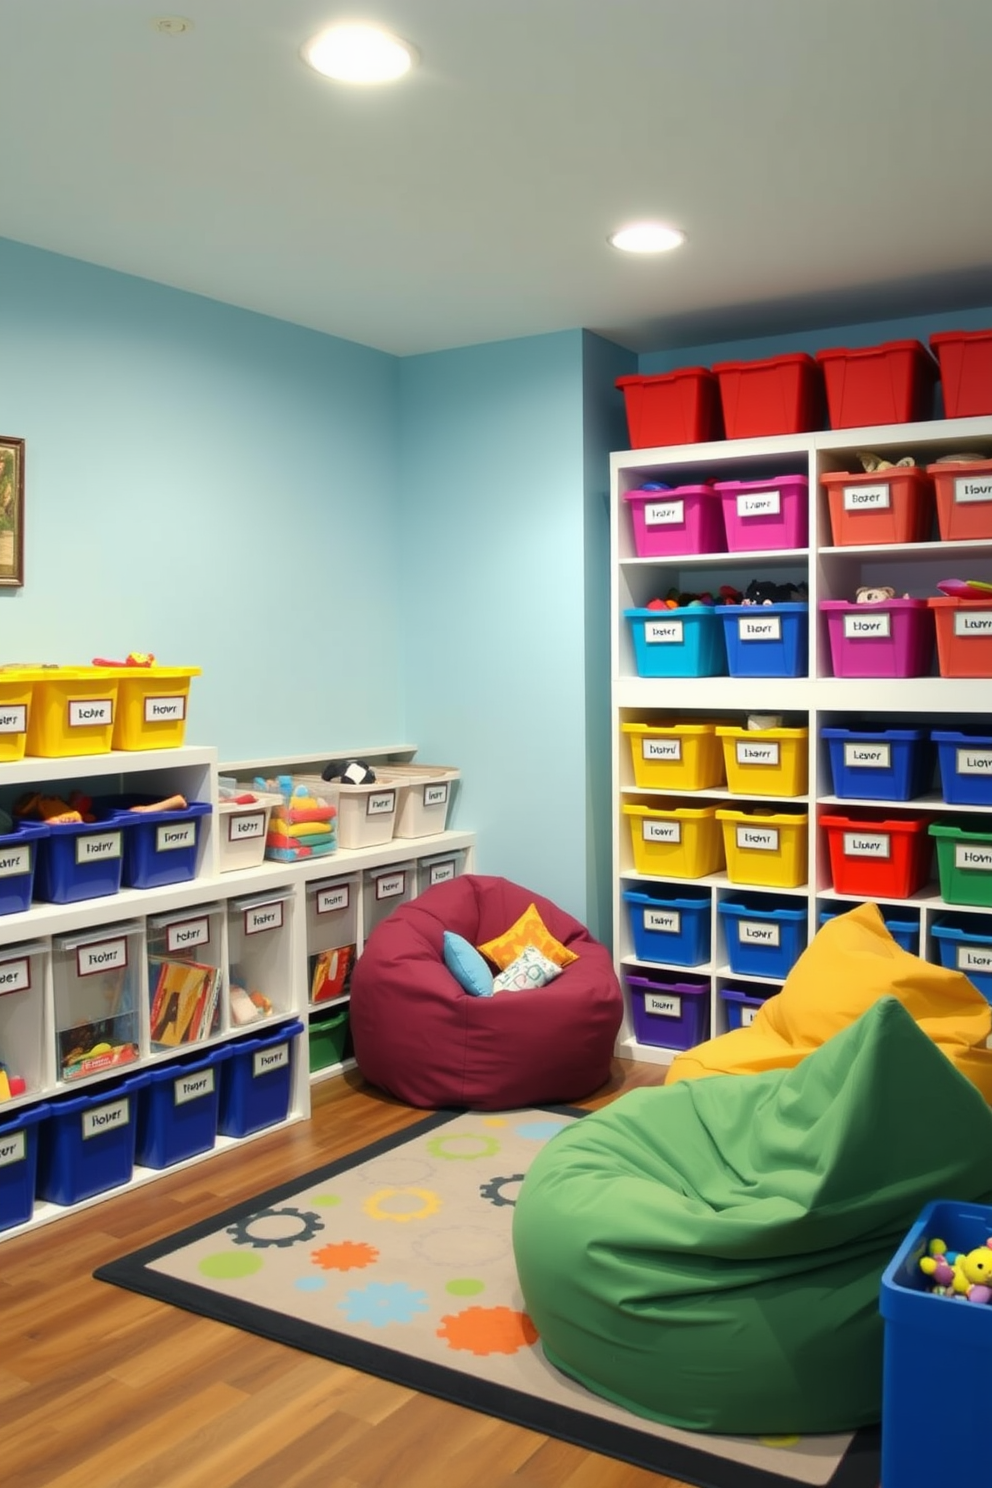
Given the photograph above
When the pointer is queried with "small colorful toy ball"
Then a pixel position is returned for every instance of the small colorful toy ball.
(954, 1273)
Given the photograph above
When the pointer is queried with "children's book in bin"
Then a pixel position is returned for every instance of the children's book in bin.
(330, 973)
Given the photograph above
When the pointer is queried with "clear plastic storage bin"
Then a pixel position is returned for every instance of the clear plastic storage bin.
(185, 975)
(332, 935)
(97, 982)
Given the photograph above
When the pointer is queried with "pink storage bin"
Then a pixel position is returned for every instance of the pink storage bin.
(891, 639)
(767, 514)
(686, 519)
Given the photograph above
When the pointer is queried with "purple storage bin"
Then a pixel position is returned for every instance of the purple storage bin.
(766, 515)
(685, 519)
(894, 638)
(669, 1014)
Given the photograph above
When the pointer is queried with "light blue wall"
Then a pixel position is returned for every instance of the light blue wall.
(211, 485)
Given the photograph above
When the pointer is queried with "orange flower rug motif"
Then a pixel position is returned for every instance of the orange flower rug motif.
(398, 1261)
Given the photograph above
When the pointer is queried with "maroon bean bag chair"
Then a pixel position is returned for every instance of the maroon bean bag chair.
(418, 1035)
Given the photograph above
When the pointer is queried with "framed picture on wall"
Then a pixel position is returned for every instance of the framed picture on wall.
(11, 512)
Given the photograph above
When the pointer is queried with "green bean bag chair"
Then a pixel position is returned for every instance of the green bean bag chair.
(709, 1254)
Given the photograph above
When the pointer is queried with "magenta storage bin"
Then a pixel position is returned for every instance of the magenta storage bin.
(767, 514)
(684, 519)
(669, 1014)
(891, 639)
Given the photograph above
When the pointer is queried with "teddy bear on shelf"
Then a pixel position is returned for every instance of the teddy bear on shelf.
(956, 1273)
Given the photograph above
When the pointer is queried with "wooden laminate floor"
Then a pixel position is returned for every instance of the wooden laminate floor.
(100, 1388)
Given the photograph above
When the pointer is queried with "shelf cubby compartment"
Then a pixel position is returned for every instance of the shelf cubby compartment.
(332, 935)
(187, 967)
(99, 980)
(260, 964)
(384, 890)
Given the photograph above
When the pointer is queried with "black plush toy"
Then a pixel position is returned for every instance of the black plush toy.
(349, 772)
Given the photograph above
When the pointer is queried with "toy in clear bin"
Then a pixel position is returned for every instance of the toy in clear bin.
(305, 825)
(246, 1005)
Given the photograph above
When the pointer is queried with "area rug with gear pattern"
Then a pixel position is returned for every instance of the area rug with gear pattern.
(398, 1261)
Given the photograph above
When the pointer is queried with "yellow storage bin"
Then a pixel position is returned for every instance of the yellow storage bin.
(72, 711)
(766, 762)
(675, 842)
(16, 691)
(766, 849)
(151, 707)
(677, 756)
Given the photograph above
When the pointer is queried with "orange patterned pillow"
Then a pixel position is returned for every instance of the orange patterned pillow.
(529, 930)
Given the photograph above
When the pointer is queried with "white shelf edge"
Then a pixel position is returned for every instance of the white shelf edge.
(629, 1048)
(281, 761)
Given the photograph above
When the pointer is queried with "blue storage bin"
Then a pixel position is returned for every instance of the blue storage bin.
(672, 928)
(740, 1006)
(905, 932)
(766, 640)
(256, 1081)
(87, 1143)
(160, 847)
(18, 859)
(79, 860)
(686, 642)
(178, 1110)
(882, 765)
(763, 939)
(965, 944)
(930, 1338)
(18, 1164)
(965, 762)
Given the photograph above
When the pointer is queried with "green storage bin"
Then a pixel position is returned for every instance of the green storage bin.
(964, 865)
(328, 1038)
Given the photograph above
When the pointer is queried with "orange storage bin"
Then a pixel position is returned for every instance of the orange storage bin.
(964, 500)
(681, 407)
(965, 359)
(783, 395)
(964, 636)
(888, 384)
(887, 506)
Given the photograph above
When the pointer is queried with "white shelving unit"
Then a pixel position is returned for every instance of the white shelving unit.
(816, 700)
(30, 1014)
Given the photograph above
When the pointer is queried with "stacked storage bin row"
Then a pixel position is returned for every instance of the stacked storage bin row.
(55, 712)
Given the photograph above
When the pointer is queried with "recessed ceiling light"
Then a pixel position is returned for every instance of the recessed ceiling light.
(171, 25)
(647, 237)
(359, 54)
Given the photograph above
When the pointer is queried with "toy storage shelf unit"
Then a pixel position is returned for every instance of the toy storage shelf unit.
(776, 764)
(172, 1013)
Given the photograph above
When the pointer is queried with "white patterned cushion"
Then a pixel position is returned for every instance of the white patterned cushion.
(530, 969)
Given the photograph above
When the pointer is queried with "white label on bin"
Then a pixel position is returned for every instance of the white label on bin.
(436, 795)
(661, 831)
(94, 846)
(867, 627)
(974, 958)
(759, 932)
(390, 885)
(94, 713)
(13, 1149)
(867, 845)
(106, 1118)
(658, 1006)
(440, 873)
(326, 901)
(663, 632)
(263, 917)
(759, 627)
(664, 513)
(165, 709)
(661, 749)
(15, 976)
(101, 955)
(267, 1060)
(758, 839)
(868, 756)
(969, 488)
(14, 720)
(748, 1015)
(973, 762)
(749, 753)
(867, 498)
(972, 623)
(380, 803)
(243, 825)
(187, 933)
(16, 861)
(178, 834)
(663, 921)
(760, 504)
(977, 859)
(193, 1087)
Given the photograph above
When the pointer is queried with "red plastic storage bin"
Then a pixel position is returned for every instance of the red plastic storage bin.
(964, 636)
(887, 506)
(876, 857)
(681, 407)
(965, 359)
(685, 519)
(888, 384)
(964, 500)
(783, 395)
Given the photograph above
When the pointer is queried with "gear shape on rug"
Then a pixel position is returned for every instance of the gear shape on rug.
(493, 1190)
(309, 1226)
(488, 1146)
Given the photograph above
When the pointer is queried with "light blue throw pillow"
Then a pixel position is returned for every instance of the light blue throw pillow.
(469, 968)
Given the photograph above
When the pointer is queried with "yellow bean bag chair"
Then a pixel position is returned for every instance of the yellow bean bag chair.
(848, 966)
